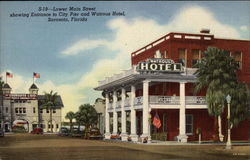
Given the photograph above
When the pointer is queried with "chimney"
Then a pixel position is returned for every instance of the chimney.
(205, 31)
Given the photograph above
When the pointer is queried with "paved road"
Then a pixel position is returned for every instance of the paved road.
(46, 147)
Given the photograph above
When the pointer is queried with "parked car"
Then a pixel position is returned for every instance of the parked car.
(63, 131)
(94, 133)
(1, 132)
(76, 133)
(37, 131)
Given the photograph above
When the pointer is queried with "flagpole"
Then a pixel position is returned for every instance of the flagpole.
(6, 77)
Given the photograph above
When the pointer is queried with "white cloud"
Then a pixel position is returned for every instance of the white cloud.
(244, 28)
(83, 45)
(194, 18)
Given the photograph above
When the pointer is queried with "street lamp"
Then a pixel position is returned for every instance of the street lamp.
(229, 144)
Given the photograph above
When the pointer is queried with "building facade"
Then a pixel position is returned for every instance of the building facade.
(161, 81)
(100, 109)
(25, 111)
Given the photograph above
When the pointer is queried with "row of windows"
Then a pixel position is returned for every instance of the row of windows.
(23, 110)
(197, 54)
(20, 110)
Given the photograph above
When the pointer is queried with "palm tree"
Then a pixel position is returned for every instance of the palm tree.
(70, 115)
(217, 73)
(88, 116)
(50, 102)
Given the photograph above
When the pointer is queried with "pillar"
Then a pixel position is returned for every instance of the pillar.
(107, 124)
(124, 135)
(114, 113)
(133, 135)
(145, 114)
(182, 115)
(220, 133)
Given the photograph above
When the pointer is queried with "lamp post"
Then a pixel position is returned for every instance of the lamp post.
(229, 144)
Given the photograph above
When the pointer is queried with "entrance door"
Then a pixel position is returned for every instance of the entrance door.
(6, 127)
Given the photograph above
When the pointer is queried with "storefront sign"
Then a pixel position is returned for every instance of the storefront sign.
(159, 65)
(20, 96)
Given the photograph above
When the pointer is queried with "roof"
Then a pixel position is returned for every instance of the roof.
(58, 99)
(33, 86)
(6, 85)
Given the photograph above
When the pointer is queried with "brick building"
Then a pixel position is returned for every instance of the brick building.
(161, 81)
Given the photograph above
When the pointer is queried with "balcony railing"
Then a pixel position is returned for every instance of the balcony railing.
(163, 100)
(195, 100)
(138, 100)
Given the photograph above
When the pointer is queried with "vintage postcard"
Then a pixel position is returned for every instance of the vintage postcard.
(124, 80)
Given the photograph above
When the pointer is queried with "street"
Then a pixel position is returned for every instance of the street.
(46, 147)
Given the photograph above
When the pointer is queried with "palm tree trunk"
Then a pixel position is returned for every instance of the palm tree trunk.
(50, 117)
(216, 137)
(70, 121)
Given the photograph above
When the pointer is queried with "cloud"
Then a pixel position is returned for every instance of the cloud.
(244, 28)
(83, 45)
(194, 18)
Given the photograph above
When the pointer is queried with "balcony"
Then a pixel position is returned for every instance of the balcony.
(191, 102)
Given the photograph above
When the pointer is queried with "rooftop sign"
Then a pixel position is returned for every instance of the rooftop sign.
(159, 65)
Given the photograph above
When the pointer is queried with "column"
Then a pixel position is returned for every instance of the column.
(124, 135)
(107, 124)
(220, 133)
(182, 115)
(114, 113)
(133, 135)
(145, 114)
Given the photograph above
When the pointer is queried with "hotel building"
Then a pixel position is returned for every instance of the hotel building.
(161, 80)
(26, 111)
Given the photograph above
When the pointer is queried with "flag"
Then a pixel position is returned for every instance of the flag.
(9, 75)
(157, 121)
(36, 75)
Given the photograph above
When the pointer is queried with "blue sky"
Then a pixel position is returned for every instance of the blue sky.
(72, 56)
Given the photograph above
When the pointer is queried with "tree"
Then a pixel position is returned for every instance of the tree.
(87, 115)
(70, 115)
(50, 102)
(217, 74)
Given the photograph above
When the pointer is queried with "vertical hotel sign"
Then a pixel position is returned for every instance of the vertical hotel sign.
(159, 65)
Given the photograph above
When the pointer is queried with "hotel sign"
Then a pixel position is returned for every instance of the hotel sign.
(159, 65)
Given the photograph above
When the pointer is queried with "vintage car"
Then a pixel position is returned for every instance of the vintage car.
(64, 131)
(1, 132)
(37, 131)
(76, 133)
(94, 133)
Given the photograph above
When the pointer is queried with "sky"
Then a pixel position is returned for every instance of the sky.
(72, 57)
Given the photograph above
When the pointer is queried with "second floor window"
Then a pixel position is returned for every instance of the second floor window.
(182, 56)
(195, 57)
(238, 58)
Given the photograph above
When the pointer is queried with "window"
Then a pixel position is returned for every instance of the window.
(20, 110)
(24, 110)
(165, 54)
(54, 111)
(189, 124)
(41, 110)
(195, 57)
(48, 125)
(34, 110)
(238, 58)
(6, 110)
(182, 56)
(57, 126)
(16, 110)
(47, 111)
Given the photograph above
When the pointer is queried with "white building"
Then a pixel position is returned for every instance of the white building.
(26, 111)
(100, 109)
